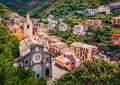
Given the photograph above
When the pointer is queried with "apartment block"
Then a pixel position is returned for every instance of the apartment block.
(83, 51)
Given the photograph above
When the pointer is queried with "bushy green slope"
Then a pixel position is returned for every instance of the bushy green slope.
(24, 6)
(4, 11)
(64, 7)
(57, 7)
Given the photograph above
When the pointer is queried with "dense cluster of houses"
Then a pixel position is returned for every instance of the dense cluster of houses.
(16, 25)
(69, 57)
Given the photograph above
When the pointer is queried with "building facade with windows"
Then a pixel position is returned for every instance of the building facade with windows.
(116, 21)
(80, 30)
(115, 39)
(63, 27)
(66, 60)
(90, 12)
(48, 40)
(93, 22)
(83, 51)
(58, 48)
(105, 9)
(51, 24)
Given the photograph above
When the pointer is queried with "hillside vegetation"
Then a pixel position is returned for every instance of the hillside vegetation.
(24, 6)
(69, 7)
(38, 8)
(4, 11)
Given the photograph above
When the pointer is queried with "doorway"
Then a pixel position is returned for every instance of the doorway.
(47, 72)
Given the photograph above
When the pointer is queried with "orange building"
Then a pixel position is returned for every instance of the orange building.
(67, 61)
(83, 51)
(18, 30)
(19, 36)
(115, 39)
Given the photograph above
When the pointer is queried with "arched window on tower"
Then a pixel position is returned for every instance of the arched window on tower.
(28, 26)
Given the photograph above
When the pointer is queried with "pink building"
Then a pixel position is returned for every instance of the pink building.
(97, 22)
(115, 39)
(116, 21)
(93, 22)
(6, 22)
(13, 15)
(15, 29)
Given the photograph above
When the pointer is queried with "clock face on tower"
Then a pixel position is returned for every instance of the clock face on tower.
(37, 58)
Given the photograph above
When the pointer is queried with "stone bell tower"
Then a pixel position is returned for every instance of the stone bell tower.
(28, 27)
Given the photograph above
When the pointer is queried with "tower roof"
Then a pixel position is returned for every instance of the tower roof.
(27, 19)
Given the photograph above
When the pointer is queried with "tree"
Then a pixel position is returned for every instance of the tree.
(41, 81)
(30, 81)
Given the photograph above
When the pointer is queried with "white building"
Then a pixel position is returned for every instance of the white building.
(101, 56)
(63, 27)
(90, 12)
(105, 9)
(96, 11)
(79, 30)
(50, 17)
(52, 24)
(41, 26)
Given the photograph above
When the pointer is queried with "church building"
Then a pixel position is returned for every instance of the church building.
(33, 55)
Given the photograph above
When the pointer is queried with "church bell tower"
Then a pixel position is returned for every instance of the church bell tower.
(28, 27)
